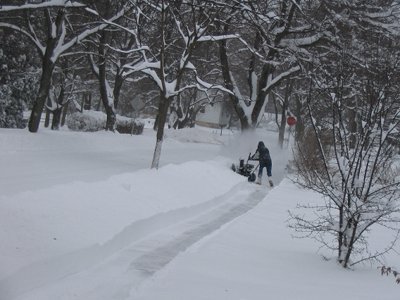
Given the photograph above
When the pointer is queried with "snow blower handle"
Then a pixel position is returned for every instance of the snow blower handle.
(252, 157)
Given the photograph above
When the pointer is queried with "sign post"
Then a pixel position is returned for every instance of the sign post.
(291, 121)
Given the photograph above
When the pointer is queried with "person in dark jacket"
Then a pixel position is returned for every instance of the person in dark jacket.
(262, 153)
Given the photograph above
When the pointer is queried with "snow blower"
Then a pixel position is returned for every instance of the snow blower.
(246, 169)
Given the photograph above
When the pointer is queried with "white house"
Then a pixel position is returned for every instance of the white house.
(215, 115)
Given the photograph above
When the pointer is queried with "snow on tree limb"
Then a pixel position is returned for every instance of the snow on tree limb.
(92, 11)
(62, 34)
(280, 77)
(215, 38)
(45, 4)
(37, 43)
(301, 42)
(85, 34)
(209, 86)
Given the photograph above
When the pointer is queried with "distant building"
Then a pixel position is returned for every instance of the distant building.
(214, 115)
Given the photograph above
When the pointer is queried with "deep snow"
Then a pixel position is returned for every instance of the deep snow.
(83, 217)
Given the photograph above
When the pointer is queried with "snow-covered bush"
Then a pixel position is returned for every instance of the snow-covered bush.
(18, 78)
(91, 121)
(86, 121)
(11, 109)
(129, 126)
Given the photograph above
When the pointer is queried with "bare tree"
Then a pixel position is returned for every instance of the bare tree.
(277, 36)
(61, 93)
(53, 36)
(115, 48)
(354, 111)
(282, 99)
(166, 58)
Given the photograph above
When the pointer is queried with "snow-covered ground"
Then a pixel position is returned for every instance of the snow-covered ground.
(83, 217)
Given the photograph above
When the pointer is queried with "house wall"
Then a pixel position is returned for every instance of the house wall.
(210, 117)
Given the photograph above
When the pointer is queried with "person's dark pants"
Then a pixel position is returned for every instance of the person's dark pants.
(265, 164)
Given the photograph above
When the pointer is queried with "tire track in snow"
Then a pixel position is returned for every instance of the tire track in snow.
(112, 270)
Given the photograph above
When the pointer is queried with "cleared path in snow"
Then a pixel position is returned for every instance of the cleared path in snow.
(116, 268)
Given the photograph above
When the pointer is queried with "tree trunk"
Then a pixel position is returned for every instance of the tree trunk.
(347, 247)
(261, 95)
(87, 101)
(104, 88)
(55, 124)
(352, 117)
(111, 118)
(98, 107)
(47, 69)
(64, 114)
(282, 127)
(244, 122)
(285, 106)
(119, 80)
(44, 88)
(162, 117)
(47, 118)
(300, 123)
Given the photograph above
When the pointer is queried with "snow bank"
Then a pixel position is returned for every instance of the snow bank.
(251, 257)
(255, 257)
(49, 222)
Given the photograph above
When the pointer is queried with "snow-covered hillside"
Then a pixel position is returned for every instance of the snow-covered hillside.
(83, 217)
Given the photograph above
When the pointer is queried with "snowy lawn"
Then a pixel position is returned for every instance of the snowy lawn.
(83, 217)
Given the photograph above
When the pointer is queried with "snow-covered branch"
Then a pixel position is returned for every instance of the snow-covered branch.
(209, 86)
(37, 43)
(277, 79)
(301, 42)
(85, 34)
(215, 38)
(44, 4)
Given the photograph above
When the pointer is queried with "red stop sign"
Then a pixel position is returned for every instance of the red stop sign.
(291, 121)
